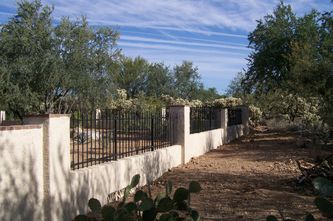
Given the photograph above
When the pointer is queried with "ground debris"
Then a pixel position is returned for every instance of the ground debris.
(311, 170)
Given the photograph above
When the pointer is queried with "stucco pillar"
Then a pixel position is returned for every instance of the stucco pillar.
(182, 114)
(224, 124)
(56, 165)
(2, 116)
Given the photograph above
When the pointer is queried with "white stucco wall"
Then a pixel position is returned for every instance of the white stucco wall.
(100, 180)
(66, 192)
(21, 172)
(200, 143)
(36, 182)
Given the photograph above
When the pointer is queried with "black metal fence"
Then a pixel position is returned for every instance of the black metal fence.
(234, 116)
(102, 136)
(203, 119)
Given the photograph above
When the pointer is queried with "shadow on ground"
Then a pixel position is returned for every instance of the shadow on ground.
(247, 179)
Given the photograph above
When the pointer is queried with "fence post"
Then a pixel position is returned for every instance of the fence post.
(152, 132)
(115, 137)
(183, 127)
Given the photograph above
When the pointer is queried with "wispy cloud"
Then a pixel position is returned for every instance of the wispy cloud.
(184, 43)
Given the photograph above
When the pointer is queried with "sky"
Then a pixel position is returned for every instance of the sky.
(210, 33)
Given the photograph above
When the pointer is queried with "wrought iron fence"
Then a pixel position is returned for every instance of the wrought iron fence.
(203, 119)
(234, 116)
(102, 136)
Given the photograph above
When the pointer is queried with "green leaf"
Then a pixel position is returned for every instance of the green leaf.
(135, 180)
(325, 206)
(149, 215)
(108, 212)
(126, 192)
(94, 205)
(140, 195)
(194, 187)
(168, 187)
(271, 218)
(195, 215)
(174, 214)
(323, 185)
(130, 207)
(82, 218)
(159, 197)
(165, 217)
(165, 205)
(180, 194)
(309, 217)
(146, 204)
(182, 205)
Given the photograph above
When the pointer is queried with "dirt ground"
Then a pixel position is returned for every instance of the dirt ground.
(248, 179)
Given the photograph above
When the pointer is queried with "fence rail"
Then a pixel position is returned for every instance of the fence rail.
(203, 119)
(102, 136)
(234, 116)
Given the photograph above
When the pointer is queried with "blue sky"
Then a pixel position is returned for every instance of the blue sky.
(211, 33)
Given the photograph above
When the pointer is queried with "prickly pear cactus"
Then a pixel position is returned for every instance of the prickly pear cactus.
(163, 207)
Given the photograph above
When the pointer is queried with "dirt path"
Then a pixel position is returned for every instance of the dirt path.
(247, 179)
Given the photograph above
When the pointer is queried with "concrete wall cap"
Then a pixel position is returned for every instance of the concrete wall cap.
(47, 115)
(20, 127)
(179, 105)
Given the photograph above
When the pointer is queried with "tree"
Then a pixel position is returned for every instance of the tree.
(208, 94)
(294, 55)
(236, 87)
(187, 80)
(132, 75)
(28, 57)
(268, 63)
(45, 67)
(159, 80)
(86, 57)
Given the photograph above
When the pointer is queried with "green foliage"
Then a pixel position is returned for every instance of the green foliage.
(54, 68)
(187, 80)
(235, 87)
(323, 185)
(47, 68)
(325, 207)
(291, 57)
(94, 205)
(144, 208)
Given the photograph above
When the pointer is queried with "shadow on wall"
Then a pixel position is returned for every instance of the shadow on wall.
(21, 189)
(19, 186)
(155, 167)
(66, 203)
(209, 142)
